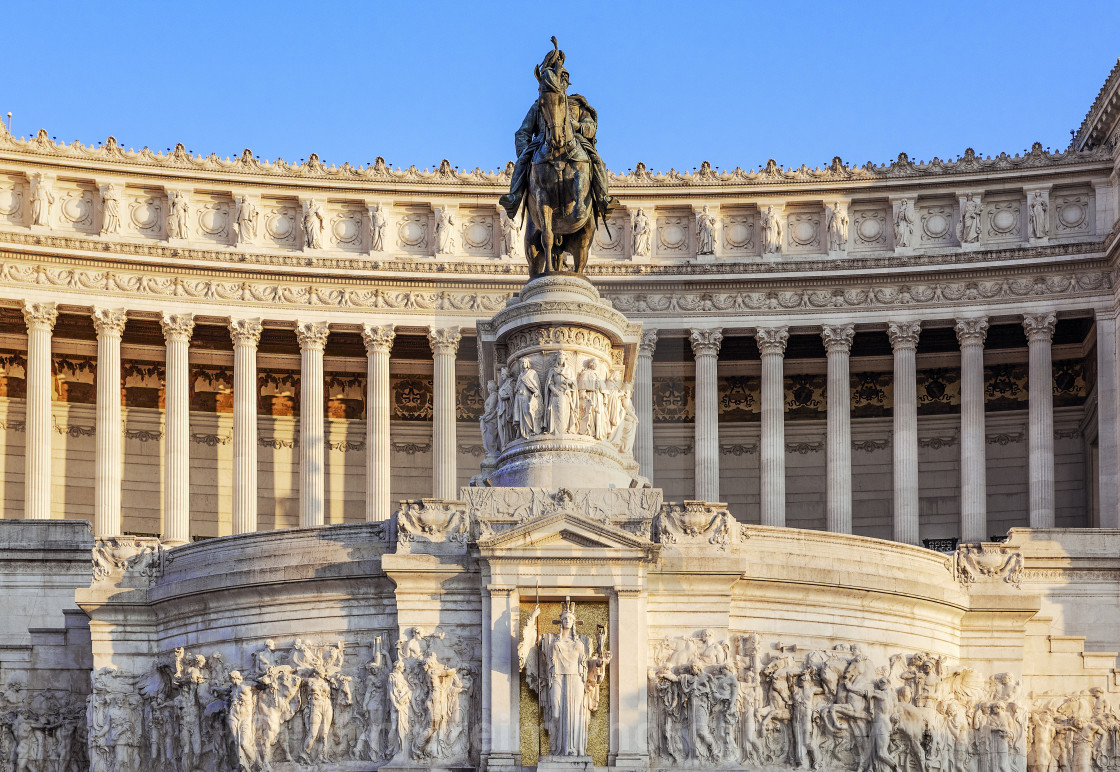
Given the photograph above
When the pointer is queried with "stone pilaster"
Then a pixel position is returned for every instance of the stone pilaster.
(246, 334)
(312, 337)
(378, 340)
(628, 674)
(40, 319)
(974, 518)
(177, 330)
(501, 686)
(1108, 433)
(643, 403)
(445, 345)
(705, 349)
(772, 455)
(1040, 334)
(838, 343)
(904, 341)
(109, 324)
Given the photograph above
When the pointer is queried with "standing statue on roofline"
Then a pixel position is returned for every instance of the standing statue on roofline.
(559, 174)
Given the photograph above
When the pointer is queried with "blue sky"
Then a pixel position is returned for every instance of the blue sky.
(674, 83)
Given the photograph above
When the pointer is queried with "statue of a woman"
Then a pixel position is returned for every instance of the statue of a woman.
(561, 400)
(527, 401)
(561, 667)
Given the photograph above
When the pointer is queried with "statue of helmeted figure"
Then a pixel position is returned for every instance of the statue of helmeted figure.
(565, 670)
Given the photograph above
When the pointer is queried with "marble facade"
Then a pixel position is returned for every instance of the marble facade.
(291, 452)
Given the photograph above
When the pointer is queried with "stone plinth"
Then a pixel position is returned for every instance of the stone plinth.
(563, 360)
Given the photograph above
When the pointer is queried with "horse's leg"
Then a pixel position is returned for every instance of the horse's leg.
(547, 237)
(580, 184)
(582, 244)
(532, 251)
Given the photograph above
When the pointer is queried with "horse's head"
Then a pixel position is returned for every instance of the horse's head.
(552, 106)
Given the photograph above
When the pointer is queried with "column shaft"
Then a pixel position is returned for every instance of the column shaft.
(108, 430)
(378, 340)
(312, 337)
(504, 699)
(643, 403)
(772, 454)
(705, 349)
(1108, 427)
(838, 344)
(974, 519)
(904, 340)
(177, 331)
(1040, 333)
(445, 344)
(40, 318)
(246, 334)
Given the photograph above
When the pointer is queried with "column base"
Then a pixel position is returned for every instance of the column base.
(506, 762)
(628, 762)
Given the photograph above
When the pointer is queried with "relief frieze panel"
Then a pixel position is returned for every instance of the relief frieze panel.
(411, 398)
(470, 401)
(345, 395)
(278, 393)
(805, 396)
(211, 389)
(740, 399)
(142, 384)
(14, 197)
(74, 380)
(674, 399)
(1072, 379)
(13, 374)
(872, 395)
(939, 391)
(1005, 387)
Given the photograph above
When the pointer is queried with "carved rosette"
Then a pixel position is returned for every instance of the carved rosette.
(312, 336)
(705, 343)
(40, 316)
(109, 322)
(972, 332)
(245, 332)
(838, 337)
(444, 340)
(904, 335)
(1040, 327)
(648, 343)
(772, 340)
(378, 338)
(177, 328)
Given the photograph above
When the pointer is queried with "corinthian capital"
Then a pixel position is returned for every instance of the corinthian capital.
(378, 337)
(1039, 326)
(312, 336)
(245, 332)
(177, 328)
(705, 342)
(772, 340)
(109, 321)
(40, 316)
(904, 334)
(444, 340)
(838, 337)
(648, 342)
(972, 332)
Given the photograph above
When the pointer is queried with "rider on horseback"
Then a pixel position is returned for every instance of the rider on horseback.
(530, 136)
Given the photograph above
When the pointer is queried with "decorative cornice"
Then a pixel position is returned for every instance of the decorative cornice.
(705, 342)
(772, 340)
(312, 336)
(838, 337)
(904, 335)
(40, 316)
(177, 328)
(444, 340)
(1040, 327)
(972, 332)
(378, 338)
(109, 322)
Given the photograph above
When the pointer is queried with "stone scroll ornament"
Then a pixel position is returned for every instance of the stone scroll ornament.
(566, 671)
(558, 164)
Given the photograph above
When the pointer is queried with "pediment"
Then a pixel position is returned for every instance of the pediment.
(566, 533)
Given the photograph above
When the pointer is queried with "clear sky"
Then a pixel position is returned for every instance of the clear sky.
(674, 83)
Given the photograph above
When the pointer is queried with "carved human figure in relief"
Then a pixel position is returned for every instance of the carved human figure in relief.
(626, 432)
(242, 709)
(836, 223)
(557, 666)
(320, 714)
(561, 398)
(369, 744)
(246, 220)
(505, 407)
(903, 223)
(491, 443)
(312, 225)
(110, 209)
(400, 700)
(593, 420)
(445, 231)
(642, 236)
(511, 234)
(705, 233)
(771, 231)
(177, 226)
(1039, 225)
(377, 223)
(527, 401)
(42, 199)
(968, 228)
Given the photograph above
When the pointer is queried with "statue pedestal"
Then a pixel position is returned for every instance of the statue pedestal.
(565, 764)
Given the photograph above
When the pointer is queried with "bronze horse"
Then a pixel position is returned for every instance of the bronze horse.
(561, 215)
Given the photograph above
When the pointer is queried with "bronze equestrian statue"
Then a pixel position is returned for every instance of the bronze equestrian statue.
(559, 174)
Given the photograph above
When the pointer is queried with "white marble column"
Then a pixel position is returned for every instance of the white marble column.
(378, 340)
(445, 344)
(108, 429)
(772, 454)
(1040, 383)
(643, 403)
(628, 674)
(705, 350)
(501, 684)
(40, 319)
(1108, 422)
(904, 341)
(177, 330)
(312, 337)
(838, 344)
(974, 514)
(246, 334)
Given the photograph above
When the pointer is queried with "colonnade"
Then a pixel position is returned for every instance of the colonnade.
(312, 336)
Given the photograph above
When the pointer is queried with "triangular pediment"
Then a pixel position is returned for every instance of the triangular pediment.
(565, 534)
